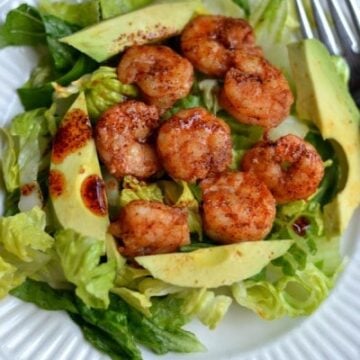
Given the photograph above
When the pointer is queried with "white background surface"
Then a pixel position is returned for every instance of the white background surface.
(333, 332)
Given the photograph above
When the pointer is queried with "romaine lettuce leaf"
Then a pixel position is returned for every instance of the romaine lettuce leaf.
(9, 165)
(102, 90)
(23, 26)
(134, 189)
(81, 14)
(135, 299)
(206, 305)
(24, 247)
(296, 295)
(80, 258)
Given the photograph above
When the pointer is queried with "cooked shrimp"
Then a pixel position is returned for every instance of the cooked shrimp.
(210, 42)
(121, 136)
(194, 144)
(290, 167)
(237, 206)
(162, 75)
(150, 227)
(255, 92)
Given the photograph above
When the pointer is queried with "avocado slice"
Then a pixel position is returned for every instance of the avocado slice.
(323, 97)
(214, 266)
(150, 24)
(76, 188)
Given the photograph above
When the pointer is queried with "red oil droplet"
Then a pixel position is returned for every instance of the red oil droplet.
(72, 135)
(56, 183)
(93, 195)
(301, 225)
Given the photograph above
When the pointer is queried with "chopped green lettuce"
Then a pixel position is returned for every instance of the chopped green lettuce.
(81, 14)
(154, 287)
(296, 295)
(102, 89)
(210, 89)
(9, 165)
(134, 189)
(206, 305)
(135, 299)
(24, 247)
(80, 258)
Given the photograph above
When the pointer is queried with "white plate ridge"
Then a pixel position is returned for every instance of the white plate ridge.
(331, 333)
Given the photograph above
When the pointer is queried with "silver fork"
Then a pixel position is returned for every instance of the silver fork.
(342, 39)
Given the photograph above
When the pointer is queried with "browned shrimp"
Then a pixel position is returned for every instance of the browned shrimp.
(194, 144)
(290, 167)
(121, 136)
(255, 92)
(162, 75)
(237, 206)
(210, 42)
(150, 227)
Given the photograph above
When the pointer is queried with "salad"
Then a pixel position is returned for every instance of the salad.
(133, 142)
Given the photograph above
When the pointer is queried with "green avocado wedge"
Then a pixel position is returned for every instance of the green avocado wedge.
(323, 97)
(76, 188)
(150, 24)
(214, 266)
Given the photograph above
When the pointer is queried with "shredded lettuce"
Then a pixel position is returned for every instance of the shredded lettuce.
(24, 247)
(296, 295)
(206, 305)
(134, 189)
(102, 89)
(80, 258)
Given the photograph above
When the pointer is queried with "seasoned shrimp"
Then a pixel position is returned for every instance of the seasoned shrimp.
(255, 92)
(150, 227)
(162, 75)
(237, 206)
(194, 144)
(121, 136)
(210, 42)
(290, 167)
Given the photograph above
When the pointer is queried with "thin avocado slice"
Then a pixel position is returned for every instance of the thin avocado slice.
(322, 97)
(150, 24)
(214, 266)
(76, 188)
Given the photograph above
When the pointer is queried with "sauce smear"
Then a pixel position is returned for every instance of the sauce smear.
(72, 135)
(56, 183)
(93, 195)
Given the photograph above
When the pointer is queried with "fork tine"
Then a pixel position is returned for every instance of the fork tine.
(354, 11)
(342, 26)
(324, 29)
(304, 21)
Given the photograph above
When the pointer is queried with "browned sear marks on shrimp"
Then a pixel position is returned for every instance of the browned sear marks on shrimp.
(210, 42)
(255, 92)
(150, 227)
(162, 75)
(237, 207)
(194, 144)
(121, 136)
(291, 168)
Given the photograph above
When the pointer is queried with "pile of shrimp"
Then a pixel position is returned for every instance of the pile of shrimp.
(195, 145)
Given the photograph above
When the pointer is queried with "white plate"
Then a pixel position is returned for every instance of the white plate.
(332, 333)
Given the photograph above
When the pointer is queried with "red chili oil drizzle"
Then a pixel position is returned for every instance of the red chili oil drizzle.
(301, 225)
(72, 135)
(93, 195)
